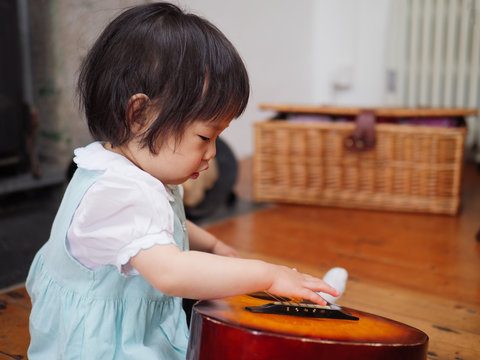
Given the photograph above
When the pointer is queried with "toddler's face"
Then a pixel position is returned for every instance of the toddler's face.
(176, 163)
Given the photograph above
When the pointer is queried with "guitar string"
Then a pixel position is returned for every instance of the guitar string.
(280, 299)
(276, 298)
(285, 301)
(288, 301)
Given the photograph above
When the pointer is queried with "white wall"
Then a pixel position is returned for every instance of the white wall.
(349, 51)
(294, 51)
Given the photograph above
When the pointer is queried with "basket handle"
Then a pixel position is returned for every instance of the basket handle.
(363, 137)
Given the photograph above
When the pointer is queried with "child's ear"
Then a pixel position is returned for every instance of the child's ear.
(136, 111)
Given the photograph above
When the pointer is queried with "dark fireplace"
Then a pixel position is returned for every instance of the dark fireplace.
(18, 120)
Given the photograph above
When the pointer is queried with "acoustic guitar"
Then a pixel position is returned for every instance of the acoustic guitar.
(258, 327)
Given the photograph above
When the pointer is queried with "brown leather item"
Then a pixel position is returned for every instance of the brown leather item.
(363, 138)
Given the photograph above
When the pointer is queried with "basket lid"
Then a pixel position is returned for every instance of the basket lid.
(378, 111)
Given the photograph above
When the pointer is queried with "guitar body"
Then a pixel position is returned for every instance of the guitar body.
(225, 330)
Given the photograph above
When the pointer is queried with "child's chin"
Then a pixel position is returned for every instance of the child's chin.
(195, 175)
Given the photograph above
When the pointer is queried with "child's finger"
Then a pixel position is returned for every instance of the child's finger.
(314, 297)
(318, 285)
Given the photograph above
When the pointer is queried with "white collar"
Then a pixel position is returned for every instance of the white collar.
(95, 157)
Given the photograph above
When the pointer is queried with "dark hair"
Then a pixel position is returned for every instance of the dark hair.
(183, 63)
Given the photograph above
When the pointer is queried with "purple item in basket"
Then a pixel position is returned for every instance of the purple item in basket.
(441, 121)
(309, 118)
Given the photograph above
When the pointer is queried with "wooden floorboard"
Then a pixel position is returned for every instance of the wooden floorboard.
(14, 312)
(420, 269)
(421, 252)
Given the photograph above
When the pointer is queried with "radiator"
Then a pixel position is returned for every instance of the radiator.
(433, 57)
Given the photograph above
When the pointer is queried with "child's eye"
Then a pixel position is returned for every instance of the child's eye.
(204, 138)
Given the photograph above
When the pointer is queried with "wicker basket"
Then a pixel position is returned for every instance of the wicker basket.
(411, 168)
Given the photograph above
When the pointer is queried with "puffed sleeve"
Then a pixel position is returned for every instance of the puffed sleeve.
(117, 217)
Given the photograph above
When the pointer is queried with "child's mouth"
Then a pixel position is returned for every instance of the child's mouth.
(195, 175)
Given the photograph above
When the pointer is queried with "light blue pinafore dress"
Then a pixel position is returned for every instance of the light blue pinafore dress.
(78, 313)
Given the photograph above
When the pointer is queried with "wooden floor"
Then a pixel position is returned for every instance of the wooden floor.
(423, 270)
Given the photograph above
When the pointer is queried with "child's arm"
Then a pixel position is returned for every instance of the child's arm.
(202, 240)
(199, 275)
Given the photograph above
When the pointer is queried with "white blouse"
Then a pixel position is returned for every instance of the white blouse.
(124, 211)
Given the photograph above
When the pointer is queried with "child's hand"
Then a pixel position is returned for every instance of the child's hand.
(220, 248)
(290, 282)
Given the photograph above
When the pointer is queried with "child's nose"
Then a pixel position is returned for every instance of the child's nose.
(211, 152)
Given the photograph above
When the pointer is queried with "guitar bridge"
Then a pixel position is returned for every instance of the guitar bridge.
(330, 311)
